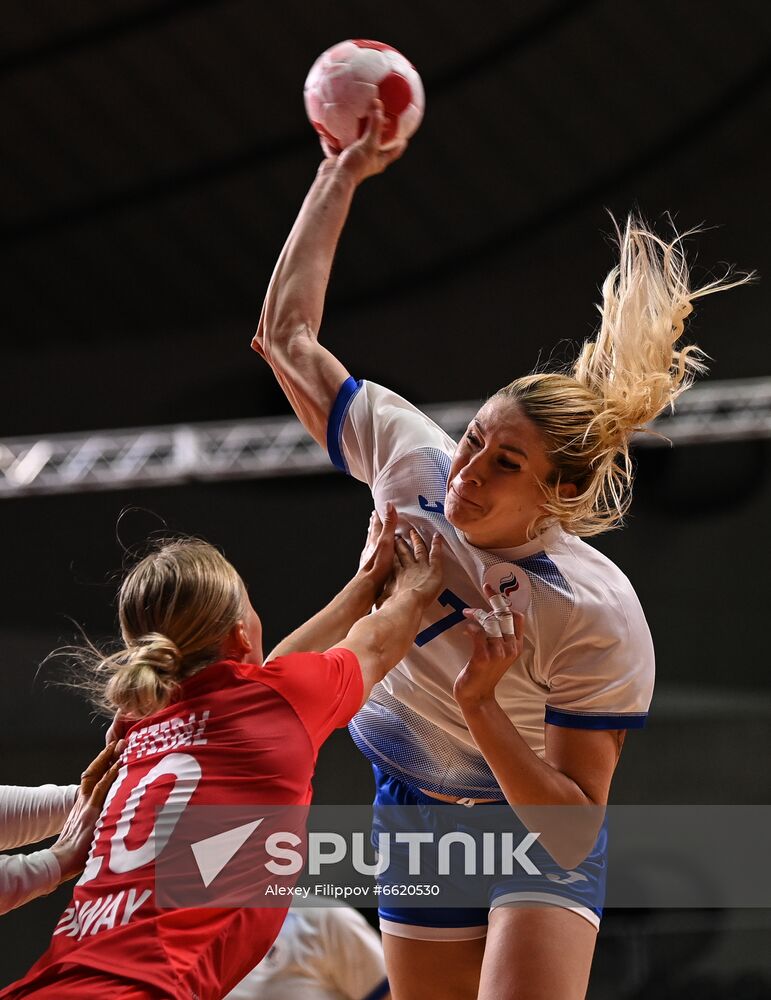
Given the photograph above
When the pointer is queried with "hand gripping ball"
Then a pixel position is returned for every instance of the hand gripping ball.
(345, 79)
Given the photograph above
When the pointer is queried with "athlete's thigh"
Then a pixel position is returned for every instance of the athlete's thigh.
(433, 970)
(536, 953)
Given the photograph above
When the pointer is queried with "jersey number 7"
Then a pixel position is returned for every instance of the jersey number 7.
(448, 600)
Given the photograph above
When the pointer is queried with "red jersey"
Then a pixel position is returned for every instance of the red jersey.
(239, 734)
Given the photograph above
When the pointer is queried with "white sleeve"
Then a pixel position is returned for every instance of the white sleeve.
(25, 876)
(28, 815)
(356, 966)
(602, 676)
(370, 427)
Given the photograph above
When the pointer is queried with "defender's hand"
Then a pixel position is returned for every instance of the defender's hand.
(72, 847)
(376, 566)
(418, 568)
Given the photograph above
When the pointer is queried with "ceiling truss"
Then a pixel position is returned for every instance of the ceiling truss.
(273, 447)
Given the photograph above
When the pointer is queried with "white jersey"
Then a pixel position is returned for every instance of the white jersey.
(322, 953)
(28, 815)
(588, 656)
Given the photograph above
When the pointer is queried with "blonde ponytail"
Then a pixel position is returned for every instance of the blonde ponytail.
(622, 379)
(633, 364)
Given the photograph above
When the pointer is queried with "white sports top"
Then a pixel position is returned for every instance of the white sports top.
(322, 953)
(28, 815)
(588, 656)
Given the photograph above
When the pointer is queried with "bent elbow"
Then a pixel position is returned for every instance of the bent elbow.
(288, 338)
(258, 344)
(570, 850)
(267, 337)
(570, 860)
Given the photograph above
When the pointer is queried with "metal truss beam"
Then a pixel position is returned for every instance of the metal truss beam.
(252, 449)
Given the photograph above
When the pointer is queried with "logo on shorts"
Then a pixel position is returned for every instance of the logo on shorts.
(567, 879)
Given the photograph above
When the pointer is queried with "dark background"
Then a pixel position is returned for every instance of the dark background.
(153, 156)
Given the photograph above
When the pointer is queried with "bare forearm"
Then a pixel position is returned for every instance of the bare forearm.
(533, 787)
(524, 777)
(387, 634)
(287, 335)
(294, 303)
(333, 622)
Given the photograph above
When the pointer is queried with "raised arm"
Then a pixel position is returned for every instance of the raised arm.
(287, 335)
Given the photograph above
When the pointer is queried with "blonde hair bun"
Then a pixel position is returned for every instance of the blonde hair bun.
(157, 652)
(145, 675)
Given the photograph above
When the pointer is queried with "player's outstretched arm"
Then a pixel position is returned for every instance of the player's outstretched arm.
(356, 598)
(382, 639)
(24, 877)
(287, 335)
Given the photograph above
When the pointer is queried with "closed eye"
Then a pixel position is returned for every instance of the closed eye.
(504, 463)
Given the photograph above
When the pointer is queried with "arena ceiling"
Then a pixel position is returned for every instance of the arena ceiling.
(154, 155)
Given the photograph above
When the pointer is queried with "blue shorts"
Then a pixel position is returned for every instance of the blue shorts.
(580, 890)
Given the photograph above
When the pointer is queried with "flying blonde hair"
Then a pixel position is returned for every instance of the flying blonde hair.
(175, 607)
(626, 376)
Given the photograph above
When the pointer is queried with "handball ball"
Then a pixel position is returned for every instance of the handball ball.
(345, 79)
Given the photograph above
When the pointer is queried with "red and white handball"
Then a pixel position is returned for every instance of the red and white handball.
(344, 81)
